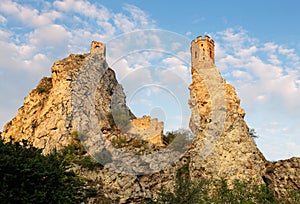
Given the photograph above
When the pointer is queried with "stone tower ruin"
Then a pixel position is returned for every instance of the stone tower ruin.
(201, 49)
(98, 47)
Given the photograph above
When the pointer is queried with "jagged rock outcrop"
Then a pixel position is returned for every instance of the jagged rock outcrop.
(283, 177)
(45, 119)
(222, 147)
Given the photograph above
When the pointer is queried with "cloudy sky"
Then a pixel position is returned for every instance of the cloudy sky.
(257, 50)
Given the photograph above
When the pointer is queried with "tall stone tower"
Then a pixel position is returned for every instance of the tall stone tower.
(201, 49)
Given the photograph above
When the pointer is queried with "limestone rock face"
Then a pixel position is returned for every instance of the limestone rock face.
(283, 176)
(222, 146)
(45, 119)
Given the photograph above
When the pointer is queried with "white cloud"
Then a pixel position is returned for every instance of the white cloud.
(140, 18)
(234, 39)
(4, 35)
(244, 53)
(261, 98)
(261, 69)
(273, 58)
(137, 19)
(271, 75)
(175, 70)
(26, 15)
(32, 36)
(176, 45)
(10, 58)
(3, 20)
(55, 30)
(266, 76)
(188, 33)
(285, 51)
(51, 35)
(289, 53)
(242, 75)
(82, 7)
(123, 23)
(270, 47)
(172, 61)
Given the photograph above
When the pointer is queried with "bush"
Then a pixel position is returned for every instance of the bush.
(253, 133)
(185, 191)
(294, 196)
(169, 137)
(42, 89)
(75, 153)
(242, 192)
(120, 141)
(27, 176)
(218, 192)
(178, 140)
(89, 163)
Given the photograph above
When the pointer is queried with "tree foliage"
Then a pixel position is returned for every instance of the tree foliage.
(185, 191)
(217, 192)
(242, 192)
(253, 133)
(27, 176)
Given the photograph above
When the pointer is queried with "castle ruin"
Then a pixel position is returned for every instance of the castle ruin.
(201, 49)
(98, 47)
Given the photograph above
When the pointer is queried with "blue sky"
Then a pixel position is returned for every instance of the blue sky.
(257, 50)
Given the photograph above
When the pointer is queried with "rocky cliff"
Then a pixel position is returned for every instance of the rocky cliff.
(283, 176)
(222, 147)
(223, 144)
(46, 118)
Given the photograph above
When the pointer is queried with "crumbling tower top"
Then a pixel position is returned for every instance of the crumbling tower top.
(97, 47)
(202, 48)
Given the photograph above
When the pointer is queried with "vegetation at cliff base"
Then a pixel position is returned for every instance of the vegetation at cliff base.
(27, 176)
(186, 191)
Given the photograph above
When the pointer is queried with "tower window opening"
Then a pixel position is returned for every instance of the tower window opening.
(196, 54)
(202, 45)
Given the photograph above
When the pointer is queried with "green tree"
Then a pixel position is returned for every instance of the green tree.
(27, 176)
(253, 133)
(185, 191)
(242, 192)
(218, 192)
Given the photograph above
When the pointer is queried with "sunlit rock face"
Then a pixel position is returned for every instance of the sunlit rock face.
(222, 146)
(45, 119)
(283, 177)
(221, 149)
